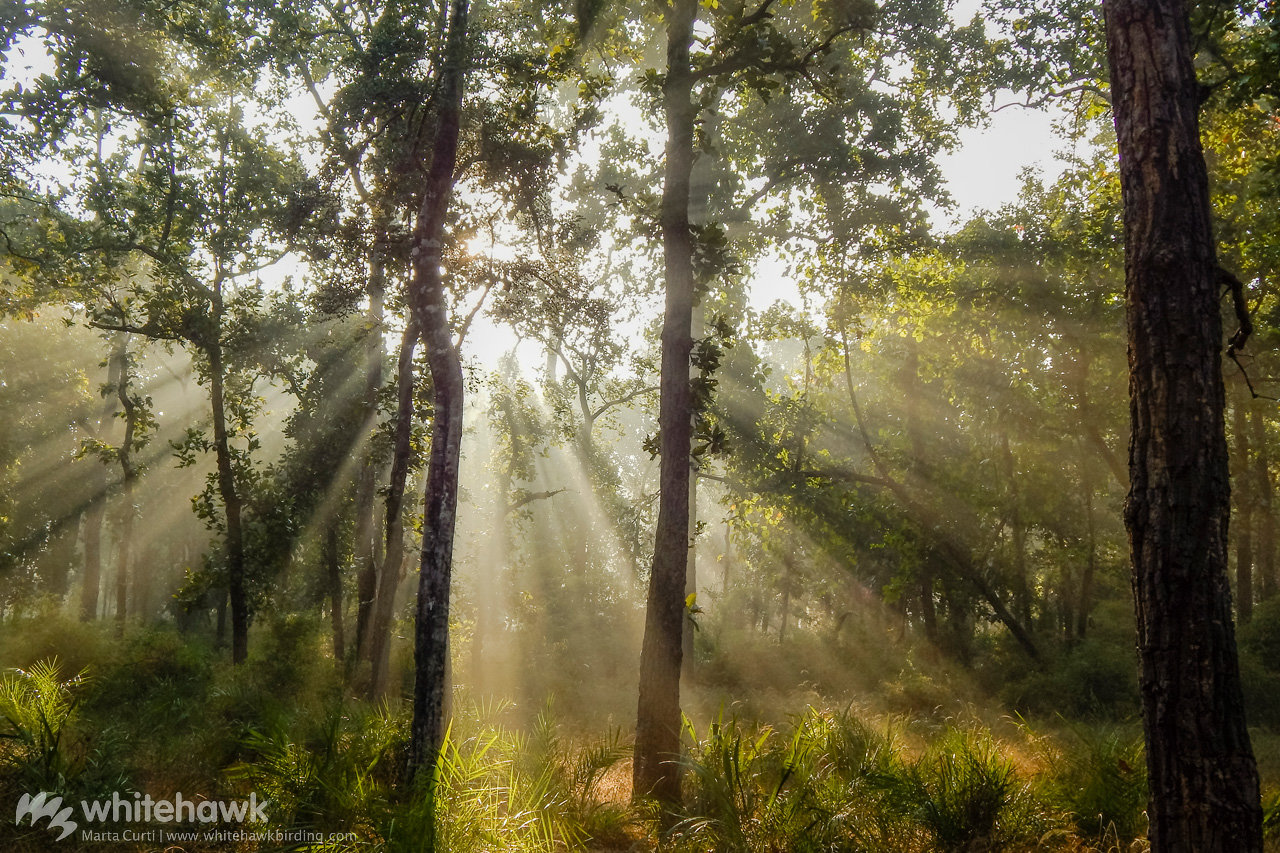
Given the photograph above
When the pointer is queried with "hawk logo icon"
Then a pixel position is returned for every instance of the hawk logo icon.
(42, 805)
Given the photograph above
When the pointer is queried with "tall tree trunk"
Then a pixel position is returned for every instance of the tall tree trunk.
(1091, 553)
(687, 658)
(366, 532)
(129, 474)
(96, 510)
(431, 310)
(1018, 533)
(1264, 519)
(1243, 494)
(655, 770)
(237, 597)
(92, 541)
(333, 581)
(1203, 778)
(391, 572)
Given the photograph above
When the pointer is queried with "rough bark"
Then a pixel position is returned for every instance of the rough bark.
(1203, 778)
(431, 312)
(657, 748)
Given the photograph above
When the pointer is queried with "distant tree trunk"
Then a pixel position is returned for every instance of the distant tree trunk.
(92, 541)
(1018, 533)
(1203, 778)
(61, 554)
(333, 582)
(787, 561)
(129, 475)
(1243, 495)
(97, 506)
(366, 533)
(1091, 555)
(687, 658)
(1265, 517)
(389, 577)
(655, 770)
(237, 596)
(431, 310)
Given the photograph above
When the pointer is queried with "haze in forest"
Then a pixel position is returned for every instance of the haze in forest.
(599, 426)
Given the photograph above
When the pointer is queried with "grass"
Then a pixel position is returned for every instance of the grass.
(513, 779)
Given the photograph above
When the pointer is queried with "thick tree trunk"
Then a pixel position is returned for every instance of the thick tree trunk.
(656, 771)
(431, 311)
(1203, 779)
(391, 572)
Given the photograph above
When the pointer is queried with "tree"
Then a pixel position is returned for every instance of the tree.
(431, 314)
(1203, 778)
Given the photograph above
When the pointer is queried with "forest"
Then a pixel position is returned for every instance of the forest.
(554, 426)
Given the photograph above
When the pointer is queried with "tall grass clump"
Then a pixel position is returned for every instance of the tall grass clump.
(483, 795)
(822, 785)
(968, 797)
(331, 773)
(831, 782)
(39, 748)
(1099, 778)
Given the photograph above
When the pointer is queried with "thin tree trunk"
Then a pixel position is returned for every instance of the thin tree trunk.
(366, 533)
(1243, 495)
(786, 599)
(391, 572)
(1091, 556)
(1202, 775)
(431, 310)
(333, 580)
(237, 596)
(655, 769)
(92, 540)
(129, 474)
(96, 509)
(1018, 532)
(687, 657)
(1264, 519)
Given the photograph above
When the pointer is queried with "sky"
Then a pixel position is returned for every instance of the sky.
(983, 173)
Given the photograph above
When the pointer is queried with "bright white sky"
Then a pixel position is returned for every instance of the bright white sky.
(983, 173)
